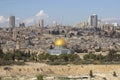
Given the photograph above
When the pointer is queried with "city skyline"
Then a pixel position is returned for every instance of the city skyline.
(64, 12)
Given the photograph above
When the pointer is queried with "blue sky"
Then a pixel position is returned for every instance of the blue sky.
(63, 11)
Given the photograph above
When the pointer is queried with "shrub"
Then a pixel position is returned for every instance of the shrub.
(114, 74)
(39, 77)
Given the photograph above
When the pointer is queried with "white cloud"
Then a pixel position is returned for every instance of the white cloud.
(2, 19)
(42, 14)
(28, 21)
(110, 19)
(17, 18)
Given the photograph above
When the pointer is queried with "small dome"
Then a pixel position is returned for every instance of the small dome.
(60, 42)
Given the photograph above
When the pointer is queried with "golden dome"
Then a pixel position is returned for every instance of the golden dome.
(60, 42)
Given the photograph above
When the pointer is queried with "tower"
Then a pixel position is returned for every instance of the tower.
(54, 24)
(41, 23)
(93, 20)
(14, 34)
(12, 21)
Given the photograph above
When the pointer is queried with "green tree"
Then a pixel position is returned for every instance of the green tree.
(73, 57)
(63, 57)
(89, 56)
(32, 57)
(39, 77)
(69, 58)
(91, 74)
(1, 53)
(18, 55)
(8, 56)
(114, 74)
(52, 57)
(43, 56)
(118, 57)
(99, 57)
(111, 55)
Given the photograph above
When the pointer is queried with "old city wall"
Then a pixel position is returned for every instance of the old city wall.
(59, 70)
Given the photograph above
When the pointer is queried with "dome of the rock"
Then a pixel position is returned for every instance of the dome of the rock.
(60, 42)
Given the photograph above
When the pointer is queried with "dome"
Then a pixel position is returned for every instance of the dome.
(60, 42)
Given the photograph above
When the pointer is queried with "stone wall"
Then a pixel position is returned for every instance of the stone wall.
(59, 70)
